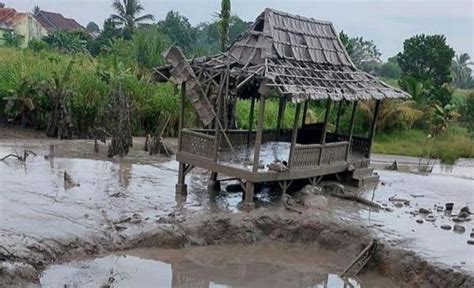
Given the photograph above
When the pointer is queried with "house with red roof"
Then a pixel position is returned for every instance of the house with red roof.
(34, 26)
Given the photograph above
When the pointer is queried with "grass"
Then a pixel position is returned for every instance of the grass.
(454, 144)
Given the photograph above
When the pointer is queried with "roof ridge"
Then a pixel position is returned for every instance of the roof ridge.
(299, 17)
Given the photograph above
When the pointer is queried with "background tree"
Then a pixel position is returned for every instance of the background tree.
(2, 5)
(93, 27)
(390, 69)
(36, 10)
(426, 57)
(224, 23)
(179, 30)
(127, 15)
(462, 77)
(364, 53)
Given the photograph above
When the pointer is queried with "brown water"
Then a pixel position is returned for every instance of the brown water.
(262, 265)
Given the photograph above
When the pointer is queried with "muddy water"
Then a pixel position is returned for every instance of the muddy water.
(447, 183)
(269, 265)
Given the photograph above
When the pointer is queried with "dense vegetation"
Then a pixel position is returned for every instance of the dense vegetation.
(130, 45)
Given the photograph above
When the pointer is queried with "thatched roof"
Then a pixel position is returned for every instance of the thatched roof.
(301, 58)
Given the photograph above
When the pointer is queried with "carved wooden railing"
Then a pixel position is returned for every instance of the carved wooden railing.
(360, 145)
(305, 156)
(334, 153)
(196, 143)
(315, 155)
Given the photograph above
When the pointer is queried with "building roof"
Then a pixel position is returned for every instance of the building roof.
(301, 58)
(55, 21)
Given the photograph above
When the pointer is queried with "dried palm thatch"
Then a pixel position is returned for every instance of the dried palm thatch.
(300, 58)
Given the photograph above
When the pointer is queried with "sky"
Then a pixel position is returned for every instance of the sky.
(387, 22)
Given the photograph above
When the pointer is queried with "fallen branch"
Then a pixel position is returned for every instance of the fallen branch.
(26, 153)
(357, 198)
(361, 260)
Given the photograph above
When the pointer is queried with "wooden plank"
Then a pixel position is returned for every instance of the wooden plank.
(252, 112)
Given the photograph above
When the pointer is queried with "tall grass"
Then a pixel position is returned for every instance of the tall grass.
(150, 102)
(448, 147)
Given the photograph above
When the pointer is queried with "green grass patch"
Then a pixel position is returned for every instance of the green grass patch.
(454, 144)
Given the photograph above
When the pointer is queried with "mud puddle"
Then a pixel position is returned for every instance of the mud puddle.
(260, 265)
(422, 223)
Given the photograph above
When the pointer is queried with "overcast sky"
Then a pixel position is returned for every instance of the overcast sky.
(387, 22)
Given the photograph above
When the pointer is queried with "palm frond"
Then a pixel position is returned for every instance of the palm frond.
(145, 18)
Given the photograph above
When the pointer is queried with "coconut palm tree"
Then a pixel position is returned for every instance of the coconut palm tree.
(224, 23)
(127, 15)
(461, 71)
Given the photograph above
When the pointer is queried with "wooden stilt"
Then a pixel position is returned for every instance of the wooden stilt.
(248, 199)
(351, 130)
(294, 134)
(181, 185)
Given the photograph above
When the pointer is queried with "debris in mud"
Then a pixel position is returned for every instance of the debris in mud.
(449, 206)
(69, 182)
(361, 260)
(119, 195)
(395, 200)
(20, 158)
(430, 218)
(463, 214)
(419, 221)
(471, 235)
(470, 242)
(465, 209)
(457, 219)
(336, 189)
(424, 211)
(459, 228)
(446, 227)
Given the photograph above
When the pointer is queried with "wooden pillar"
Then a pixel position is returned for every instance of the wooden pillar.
(281, 113)
(252, 113)
(181, 187)
(213, 184)
(258, 137)
(373, 126)
(305, 111)
(294, 134)
(326, 120)
(338, 117)
(248, 196)
(351, 129)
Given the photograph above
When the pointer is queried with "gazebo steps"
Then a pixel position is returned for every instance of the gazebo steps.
(363, 177)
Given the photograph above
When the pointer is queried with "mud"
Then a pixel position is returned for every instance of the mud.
(130, 203)
(260, 265)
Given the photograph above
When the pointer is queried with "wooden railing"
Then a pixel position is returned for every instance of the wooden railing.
(315, 155)
(196, 143)
(359, 144)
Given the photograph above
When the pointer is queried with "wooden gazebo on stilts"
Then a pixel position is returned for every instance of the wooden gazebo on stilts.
(285, 57)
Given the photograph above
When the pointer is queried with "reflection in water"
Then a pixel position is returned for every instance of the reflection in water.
(131, 271)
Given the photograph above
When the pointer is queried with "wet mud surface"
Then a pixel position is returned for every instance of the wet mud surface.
(259, 265)
(130, 203)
